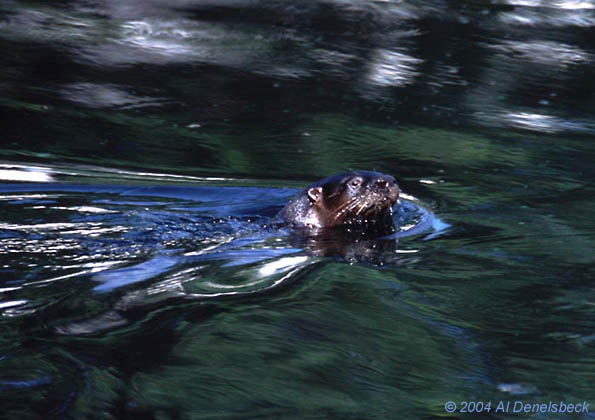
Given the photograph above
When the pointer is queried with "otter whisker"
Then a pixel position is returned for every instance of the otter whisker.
(349, 206)
(361, 208)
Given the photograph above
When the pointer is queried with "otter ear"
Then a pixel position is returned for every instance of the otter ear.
(314, 194)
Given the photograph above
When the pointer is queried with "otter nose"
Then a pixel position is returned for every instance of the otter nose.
(382, 183)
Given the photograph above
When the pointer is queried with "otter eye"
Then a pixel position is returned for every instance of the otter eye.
(356, 182)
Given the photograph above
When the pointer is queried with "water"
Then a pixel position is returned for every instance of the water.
(147, 146)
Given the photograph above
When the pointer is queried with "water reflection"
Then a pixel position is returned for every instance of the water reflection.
(545, 52)
(392, 68)
(389, 55)
(10, 172)
(94, 95)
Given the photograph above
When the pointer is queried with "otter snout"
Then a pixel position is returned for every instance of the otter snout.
(382, 183)
(387, 185)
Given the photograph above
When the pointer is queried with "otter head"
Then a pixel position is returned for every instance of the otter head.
(352, 198)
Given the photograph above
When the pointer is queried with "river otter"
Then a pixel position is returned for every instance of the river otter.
(350, 199)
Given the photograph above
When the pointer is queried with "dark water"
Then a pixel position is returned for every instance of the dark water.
(147, 145)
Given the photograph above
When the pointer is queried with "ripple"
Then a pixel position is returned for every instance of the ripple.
(556, 4)
(13, 303)
(413, 219)
(95, 95)
(545, 52)
(24, 173)
(534, 121)
(392, 68)
(535, 16)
